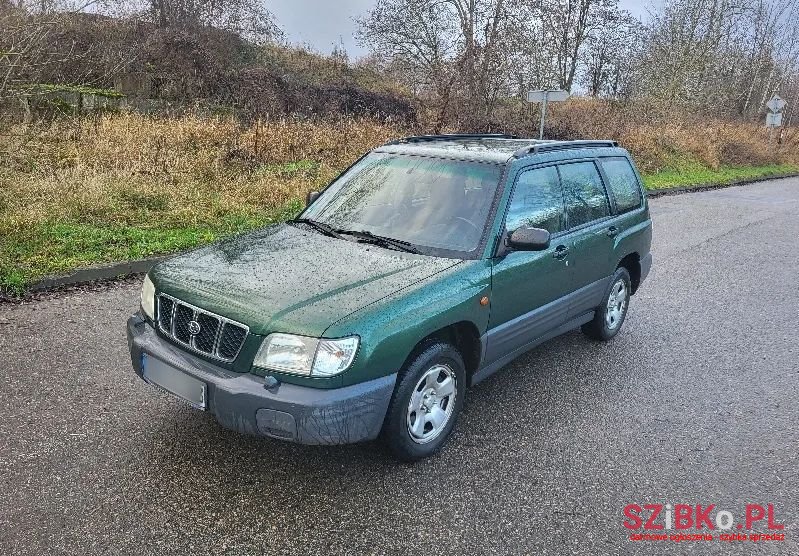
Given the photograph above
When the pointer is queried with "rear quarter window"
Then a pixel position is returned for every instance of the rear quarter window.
(623, 183)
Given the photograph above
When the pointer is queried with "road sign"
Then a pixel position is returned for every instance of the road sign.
(776, 104)
(774, 120)
(543, 97)
(555, 95)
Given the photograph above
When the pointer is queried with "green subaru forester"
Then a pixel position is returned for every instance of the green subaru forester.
(425, 267)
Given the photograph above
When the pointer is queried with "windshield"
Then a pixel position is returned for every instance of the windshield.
(427, 202)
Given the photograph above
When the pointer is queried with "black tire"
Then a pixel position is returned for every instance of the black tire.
(396, 433)
(599, 329)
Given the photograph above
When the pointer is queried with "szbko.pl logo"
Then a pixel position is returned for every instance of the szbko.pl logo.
(700, 521)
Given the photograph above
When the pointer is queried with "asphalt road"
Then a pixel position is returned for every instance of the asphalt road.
(694, 402)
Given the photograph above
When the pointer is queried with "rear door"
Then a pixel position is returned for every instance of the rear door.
(626, 195)
(591, 233)
(529, 288)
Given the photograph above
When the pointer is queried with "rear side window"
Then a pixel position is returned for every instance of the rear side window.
(537, 201)
(585, 195)
(623, 183)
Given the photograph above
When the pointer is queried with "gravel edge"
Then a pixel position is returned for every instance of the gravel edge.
(654, 193)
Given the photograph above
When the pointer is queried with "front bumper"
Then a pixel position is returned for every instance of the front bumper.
(240, 401)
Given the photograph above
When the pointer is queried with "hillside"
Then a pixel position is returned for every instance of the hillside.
(199, 69)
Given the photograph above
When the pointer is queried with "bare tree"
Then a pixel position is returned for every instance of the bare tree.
(24, 53)
(419, 42)
(610, 53)
(450, 48)
(719, 55)
(249, 18)
(559, 29)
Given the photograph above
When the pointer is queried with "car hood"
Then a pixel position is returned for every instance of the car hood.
(287, 279)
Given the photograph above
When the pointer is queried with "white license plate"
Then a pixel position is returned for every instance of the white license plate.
(176, 382)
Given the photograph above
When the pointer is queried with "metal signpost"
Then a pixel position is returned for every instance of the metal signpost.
(776, 104)
(774, 118)
(544, 97)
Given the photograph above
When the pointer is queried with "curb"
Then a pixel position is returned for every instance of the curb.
(128, 268)
(97, 273)
(654, 193)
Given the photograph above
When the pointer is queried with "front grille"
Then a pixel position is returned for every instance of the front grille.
(217, 336)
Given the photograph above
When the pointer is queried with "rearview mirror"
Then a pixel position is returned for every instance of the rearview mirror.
(312, 196)
(529, 239)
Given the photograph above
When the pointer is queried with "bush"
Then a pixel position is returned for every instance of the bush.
(661, 139)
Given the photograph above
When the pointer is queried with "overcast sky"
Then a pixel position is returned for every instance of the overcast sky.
(322, 24)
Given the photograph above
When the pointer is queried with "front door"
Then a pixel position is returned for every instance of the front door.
(529, 288)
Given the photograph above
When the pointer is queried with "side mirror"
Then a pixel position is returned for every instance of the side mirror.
(529, 239)
(312, 196)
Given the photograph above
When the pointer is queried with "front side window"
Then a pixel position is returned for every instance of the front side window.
(623, 183)
(537, 201)
(432, 203)
(585, 195)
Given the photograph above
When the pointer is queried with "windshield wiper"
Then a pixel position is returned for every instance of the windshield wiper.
(388, 242)
(362, 235)
(320, 226)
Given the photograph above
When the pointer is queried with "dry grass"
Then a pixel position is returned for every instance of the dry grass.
(126, 187)
(190, 170)
(82, 192)
(663, 140)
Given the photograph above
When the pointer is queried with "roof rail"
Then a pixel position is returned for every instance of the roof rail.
(562, 146)
(450, 136)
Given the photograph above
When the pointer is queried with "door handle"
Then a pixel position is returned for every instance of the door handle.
(561, 251)
(613, 231)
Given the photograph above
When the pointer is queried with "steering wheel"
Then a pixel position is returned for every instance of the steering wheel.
(458, 231)
(469, 223)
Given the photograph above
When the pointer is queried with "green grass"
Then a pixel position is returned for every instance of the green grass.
(308, 168)
(58, 246)
(697, 175)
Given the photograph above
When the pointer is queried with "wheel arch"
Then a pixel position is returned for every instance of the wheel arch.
(463, 335)
(632, 262)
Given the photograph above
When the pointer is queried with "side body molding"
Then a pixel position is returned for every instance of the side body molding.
(503, 343)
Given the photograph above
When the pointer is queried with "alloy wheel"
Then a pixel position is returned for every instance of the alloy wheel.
(432, 403)
(617, 303)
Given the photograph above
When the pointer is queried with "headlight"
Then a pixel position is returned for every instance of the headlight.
(287, 353)
(306, 356)
(148, 298)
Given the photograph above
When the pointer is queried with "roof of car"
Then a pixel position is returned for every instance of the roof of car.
(493, 148)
